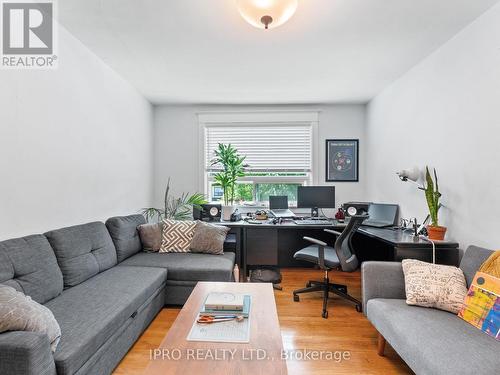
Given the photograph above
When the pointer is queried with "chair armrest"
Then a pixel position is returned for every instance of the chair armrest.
(337, 233)
(382, 280)
(321, 250)
(26, 353)
(315, 241)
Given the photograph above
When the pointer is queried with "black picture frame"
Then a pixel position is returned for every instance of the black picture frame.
(342, 160)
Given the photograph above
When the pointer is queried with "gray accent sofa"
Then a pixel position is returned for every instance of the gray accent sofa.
(430, 341)
(102, 288)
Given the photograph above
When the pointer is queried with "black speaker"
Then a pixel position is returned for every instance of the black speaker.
(208, 212)
(355, 208)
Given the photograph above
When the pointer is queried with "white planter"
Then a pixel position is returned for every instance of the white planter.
(227, 211)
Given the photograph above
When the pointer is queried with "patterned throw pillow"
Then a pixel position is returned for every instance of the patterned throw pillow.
(434, 285)
(177, 236)
(20, 313)
(482, 304)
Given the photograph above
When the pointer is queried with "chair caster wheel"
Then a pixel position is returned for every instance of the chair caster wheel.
(325, 314)
(359, 308)
(296, 298)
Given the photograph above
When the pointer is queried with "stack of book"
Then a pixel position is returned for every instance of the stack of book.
(226, 304)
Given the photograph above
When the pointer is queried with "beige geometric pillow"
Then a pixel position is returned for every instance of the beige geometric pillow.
(177, 236)
(20, 313)
(434, 285)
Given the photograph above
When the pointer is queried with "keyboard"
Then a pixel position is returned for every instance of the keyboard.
(312, 222)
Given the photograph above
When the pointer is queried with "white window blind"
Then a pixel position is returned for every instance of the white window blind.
(268, 147)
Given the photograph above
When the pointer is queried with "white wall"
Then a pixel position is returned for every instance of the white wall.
(75, 144)
(445, 113)
(177, 148)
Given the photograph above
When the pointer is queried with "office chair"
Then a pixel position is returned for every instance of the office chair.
(328, 258)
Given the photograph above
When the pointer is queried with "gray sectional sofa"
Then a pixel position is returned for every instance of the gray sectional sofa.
(430, 341)
(102, 289)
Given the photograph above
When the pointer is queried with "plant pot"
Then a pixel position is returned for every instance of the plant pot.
(436, 233)
(227, 211)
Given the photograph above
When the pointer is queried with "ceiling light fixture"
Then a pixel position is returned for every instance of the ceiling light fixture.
(267, 14)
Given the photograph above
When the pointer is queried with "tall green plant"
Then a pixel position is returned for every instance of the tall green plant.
(180, 208)
(232, 167)
(432, 195)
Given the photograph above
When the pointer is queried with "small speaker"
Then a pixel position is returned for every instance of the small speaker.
(355, 208)
(208, 212)
(315, 212)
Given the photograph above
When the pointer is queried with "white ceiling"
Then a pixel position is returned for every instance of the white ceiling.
(202, 51)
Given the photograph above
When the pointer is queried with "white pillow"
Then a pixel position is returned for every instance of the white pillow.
(20, 313)
(434, 285)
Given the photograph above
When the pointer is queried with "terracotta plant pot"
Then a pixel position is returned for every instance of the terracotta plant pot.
(436, 232)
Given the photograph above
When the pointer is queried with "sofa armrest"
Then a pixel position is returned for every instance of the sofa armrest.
(382, 280)
(26, 353)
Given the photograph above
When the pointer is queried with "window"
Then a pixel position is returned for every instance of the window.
(279, 155)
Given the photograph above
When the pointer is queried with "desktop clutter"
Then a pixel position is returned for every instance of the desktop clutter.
(315, 198)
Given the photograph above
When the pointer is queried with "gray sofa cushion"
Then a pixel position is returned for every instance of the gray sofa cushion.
(187, 266)
(29, 265)
(82, 251)
(473, 258)
(123, 231)
(431, 341)
(92, 311)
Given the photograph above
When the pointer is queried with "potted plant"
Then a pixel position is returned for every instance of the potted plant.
(432, 195)
(180, 208)
(232, 167)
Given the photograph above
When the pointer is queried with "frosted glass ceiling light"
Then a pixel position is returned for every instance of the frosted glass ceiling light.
(267, 14)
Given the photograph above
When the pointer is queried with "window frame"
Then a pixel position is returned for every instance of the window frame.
(311, 118)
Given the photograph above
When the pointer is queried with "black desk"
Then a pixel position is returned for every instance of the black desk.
(396, 245)
(270, 244)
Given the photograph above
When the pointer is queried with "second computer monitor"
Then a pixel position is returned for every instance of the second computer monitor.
(316, 197)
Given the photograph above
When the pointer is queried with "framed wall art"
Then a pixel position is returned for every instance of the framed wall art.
(342, 160)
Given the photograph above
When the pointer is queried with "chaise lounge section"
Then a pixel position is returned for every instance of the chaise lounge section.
(430, 341)
(184, 269)
(102, 289)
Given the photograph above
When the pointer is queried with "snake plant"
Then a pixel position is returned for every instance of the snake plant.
(432, 195)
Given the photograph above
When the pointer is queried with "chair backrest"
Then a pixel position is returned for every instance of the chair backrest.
(343, 247)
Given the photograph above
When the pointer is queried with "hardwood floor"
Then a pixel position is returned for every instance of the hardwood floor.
(302, 328)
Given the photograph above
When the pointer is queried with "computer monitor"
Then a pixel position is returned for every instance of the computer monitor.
(278, 202)
(315, 197)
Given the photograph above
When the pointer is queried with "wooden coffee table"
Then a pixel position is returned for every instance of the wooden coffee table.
(262, 355)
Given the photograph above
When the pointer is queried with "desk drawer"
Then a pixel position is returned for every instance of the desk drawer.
(262, 246)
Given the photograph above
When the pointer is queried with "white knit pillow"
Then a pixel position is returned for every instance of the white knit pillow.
(20, 313)
(434, 285)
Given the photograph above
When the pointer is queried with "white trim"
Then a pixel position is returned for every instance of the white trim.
(202, 175)
(257, 117)
(315, 152)
(227, 118)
